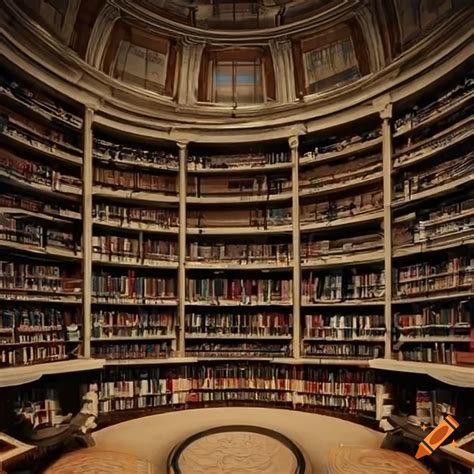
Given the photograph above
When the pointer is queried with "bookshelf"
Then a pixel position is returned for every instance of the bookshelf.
(135, 248)
(41, 156)
(349, 245)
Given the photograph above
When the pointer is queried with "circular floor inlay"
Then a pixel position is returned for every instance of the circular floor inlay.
(237, 450)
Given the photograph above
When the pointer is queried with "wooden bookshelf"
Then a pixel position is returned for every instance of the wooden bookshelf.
(326, 200)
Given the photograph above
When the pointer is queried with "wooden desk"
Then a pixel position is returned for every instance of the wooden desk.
(353, 460)
(13, 451)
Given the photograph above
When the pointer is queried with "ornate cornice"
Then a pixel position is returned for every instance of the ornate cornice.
(342, 11)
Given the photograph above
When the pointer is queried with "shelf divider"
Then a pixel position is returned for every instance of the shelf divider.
(386, 116)
(183, 166)
(293, 142)
(87, 230)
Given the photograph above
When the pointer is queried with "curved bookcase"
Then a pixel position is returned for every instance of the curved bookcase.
(343, 242)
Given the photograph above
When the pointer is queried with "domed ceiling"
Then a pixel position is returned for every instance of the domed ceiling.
(235, 14)
(238, 53)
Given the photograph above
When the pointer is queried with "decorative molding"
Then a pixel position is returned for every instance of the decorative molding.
(293, 142)
(317, 22)
(384, 106)
(282, 56)
(100, 34)
(188, 77)
(370, 29)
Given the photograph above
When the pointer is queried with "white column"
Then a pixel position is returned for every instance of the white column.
(386, 115)
(87, 230)
(293, 142)
(183, 161)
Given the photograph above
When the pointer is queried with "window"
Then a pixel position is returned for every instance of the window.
(237, 82)
(141, 66)
(331, 66)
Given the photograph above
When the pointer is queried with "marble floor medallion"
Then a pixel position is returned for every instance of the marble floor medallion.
(237, 450)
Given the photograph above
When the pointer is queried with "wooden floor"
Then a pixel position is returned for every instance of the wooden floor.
(153, 438)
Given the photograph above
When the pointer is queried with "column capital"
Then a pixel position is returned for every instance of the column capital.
(293, 142)
(182, 145)
(384, 106)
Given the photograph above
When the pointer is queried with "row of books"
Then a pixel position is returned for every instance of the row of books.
(110, 286)
(416, 151)
(132, 351)
(343, 207)
(419, 114)
(235, 325)
(126, 382)
(126, 215)
(444, 320)
(238, 160)
(336, 145)
(343, 350)
(16, 201)
(31, 172)
(343, 285)
(32, 354)
(144, 323)
(352, 170)
(325, 248)
(127, 249)
(256, 185)
(241, 349)
(118, 153)
(36, 319)
(147, 387)
(39, 103)
(46, 278)
(135, 180)
(438, 353)
(27, 231)
(242, 253)
(414, 182)
(258, 218)
(435, 225)
(427, 277)
(245, 291)
(340, 327)
(53, 143)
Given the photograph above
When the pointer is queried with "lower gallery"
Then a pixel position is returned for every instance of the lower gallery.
(236, 237)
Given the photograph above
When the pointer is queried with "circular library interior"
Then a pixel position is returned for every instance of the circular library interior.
(236, 236)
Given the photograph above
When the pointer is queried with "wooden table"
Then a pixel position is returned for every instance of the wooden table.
(354, 460)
